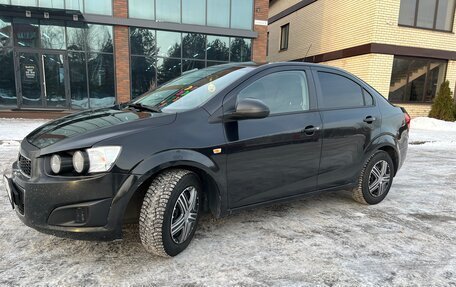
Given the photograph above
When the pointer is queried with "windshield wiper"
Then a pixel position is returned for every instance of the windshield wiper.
(140, 106)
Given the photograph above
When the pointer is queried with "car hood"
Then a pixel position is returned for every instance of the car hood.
(86, 128)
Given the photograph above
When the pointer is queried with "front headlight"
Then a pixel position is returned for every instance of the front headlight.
(101, 159)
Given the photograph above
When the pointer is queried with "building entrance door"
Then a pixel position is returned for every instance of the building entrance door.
(43, 80)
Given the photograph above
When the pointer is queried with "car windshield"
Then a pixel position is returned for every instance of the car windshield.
(192, 89)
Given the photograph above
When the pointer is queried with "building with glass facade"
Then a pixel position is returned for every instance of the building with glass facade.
(80, 54)
(403, 48)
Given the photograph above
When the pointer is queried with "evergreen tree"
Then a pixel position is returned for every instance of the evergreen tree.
(443, 106)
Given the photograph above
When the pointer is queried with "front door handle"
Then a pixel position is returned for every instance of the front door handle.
(369, 119)
(310, 130)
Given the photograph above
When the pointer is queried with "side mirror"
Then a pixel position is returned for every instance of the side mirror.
(249, 108)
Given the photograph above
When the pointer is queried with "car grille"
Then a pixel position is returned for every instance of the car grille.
(25, 165)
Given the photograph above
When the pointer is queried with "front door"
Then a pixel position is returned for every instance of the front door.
(278, 156)
(43, 80)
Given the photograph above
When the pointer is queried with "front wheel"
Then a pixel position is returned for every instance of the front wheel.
(170, 212)
(375, 179)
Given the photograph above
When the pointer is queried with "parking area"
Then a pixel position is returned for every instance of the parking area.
(326, 239)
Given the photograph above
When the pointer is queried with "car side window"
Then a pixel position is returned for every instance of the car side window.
(369, 100)
(282, 92)
(339, 91)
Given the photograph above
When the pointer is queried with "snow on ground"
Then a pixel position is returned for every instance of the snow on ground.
(326, 239)
(432, 132)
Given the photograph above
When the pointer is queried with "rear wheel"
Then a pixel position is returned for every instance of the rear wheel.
(375, 179)
(170, 212)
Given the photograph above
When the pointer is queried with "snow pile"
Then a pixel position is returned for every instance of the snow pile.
(16, 129)
(430, 124)
(433, 133)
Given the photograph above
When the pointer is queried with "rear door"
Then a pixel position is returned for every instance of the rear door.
(277, 156)
(350, 121)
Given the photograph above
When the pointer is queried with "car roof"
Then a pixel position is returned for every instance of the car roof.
(281, 64)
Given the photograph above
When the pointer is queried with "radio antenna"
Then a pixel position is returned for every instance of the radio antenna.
(304, 59)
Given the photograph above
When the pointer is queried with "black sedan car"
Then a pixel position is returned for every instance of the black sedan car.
(222, 139)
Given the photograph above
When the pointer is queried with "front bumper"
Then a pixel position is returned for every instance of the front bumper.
(78, 208)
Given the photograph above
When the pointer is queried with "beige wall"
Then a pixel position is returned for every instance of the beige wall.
(278, 6)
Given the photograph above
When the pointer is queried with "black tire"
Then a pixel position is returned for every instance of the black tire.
(160, 202)
(365, 195)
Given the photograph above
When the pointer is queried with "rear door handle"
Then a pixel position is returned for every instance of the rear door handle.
(369, 119)
(310, 130)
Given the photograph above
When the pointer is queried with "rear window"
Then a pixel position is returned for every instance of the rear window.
(339, 91)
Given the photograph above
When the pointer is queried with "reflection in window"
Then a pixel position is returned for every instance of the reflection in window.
(101, 80)
(103, 7)
(57, 4)
(26, 33)
(99, 38)
(166, 13)
(142, 42)
(426, 13)
(52, 37)
(169, 44)
(168, 69)
(339, 91)
(218, 48)
(194, 12)
(31, 3)
(143, 75)
(241, 14)
(5, 33)
(78, 81)
(445, 15)
(74, 5)
(7, 83)
(76, 38)
(218, 13)
(416, 79)
(141, 9)
(241, 50)
(194, 46)
(188, 65)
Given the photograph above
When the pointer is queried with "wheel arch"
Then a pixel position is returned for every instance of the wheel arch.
(388, 144)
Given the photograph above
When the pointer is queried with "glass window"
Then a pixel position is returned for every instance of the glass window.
(101, 80)
(169, 44)
(52, 36)
(192, 89)
(7, 82)
(426, 13)
(423, 14)
(78, 80)
(31, 3)
(368, 99)
(218, 13)
(284, 33)
(141, 9)
(99, 38)
(74, 5)
(214, 63)
(4, 2)
(76, 38)
(194, 12)
(445, 14)
(188, 65)
(193, 46)
(242, 14)
(142, 42)
(143, 75)
(339, 91)
(416, 79)
(5, 33)
(102, 7)
(168, 69)
(26, 33)
(407, 12)
(218, 48)
(166, 13)
(241, 50)
(282, 92)
(57, 4)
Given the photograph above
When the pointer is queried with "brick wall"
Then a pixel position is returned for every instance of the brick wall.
(259, 44)
(122, 58)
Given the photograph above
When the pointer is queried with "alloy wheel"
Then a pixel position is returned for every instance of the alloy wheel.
(185, 213)
(379, 178)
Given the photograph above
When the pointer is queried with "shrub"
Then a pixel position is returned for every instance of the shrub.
(443, 107)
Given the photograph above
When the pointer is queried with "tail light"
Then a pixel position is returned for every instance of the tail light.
(407, 118)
